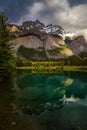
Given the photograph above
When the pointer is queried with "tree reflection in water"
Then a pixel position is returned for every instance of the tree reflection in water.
(37, 93)
(7, 105)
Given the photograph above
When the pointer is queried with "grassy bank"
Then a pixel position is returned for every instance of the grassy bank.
(51, 67)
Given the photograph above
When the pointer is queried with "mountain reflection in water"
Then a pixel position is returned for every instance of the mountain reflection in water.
(44, 102)
(36, 93)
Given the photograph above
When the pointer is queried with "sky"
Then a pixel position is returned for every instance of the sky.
(70, 14)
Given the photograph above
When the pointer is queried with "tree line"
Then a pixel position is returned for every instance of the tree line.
(7, 60)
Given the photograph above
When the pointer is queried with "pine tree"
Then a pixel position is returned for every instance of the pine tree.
(7, 61)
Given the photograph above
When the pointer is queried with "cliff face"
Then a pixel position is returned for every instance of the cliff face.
(36, 41)
(79, 45)
(49, 48)
(29, 47)
(28, 42)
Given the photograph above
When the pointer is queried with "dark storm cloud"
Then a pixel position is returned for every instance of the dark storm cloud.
(77, 2)
(15, 8)
(70, 14)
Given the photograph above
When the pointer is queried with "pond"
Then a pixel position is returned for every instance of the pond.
(44, 102)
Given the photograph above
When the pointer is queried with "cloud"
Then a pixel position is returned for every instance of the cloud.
(69, 17)
(33, 12)
(76, 2)
(15, 9)
(57, 3)
(70, 14)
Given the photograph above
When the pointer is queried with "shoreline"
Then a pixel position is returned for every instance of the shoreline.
(53, 68)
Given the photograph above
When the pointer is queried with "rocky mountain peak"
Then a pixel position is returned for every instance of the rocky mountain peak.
(54, 30)
(32, 24)
(14, 28)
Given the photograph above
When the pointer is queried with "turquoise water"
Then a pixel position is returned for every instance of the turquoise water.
(46, 101)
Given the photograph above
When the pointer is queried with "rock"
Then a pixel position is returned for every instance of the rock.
(78, 45)
(13, 123)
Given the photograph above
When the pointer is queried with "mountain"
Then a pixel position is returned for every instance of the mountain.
(36, 27)
(78, 45)
(32, 24)
(35, 41)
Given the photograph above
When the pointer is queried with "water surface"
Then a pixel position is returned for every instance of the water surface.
(45, 102)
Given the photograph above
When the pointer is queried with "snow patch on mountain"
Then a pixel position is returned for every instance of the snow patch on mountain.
(70, 36)
(50, 29)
